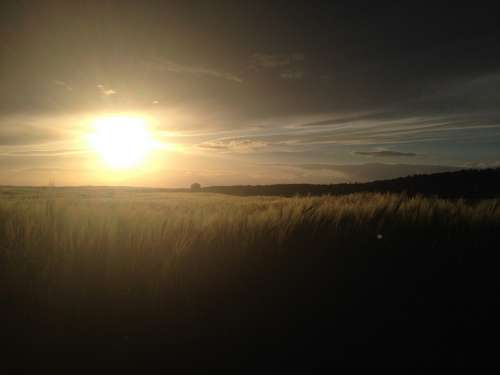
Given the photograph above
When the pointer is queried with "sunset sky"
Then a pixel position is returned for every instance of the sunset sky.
(227, 92)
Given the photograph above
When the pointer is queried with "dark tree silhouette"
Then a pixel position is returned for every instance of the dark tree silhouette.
(469, 184)
(195, 187)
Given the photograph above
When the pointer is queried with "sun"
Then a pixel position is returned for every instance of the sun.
(121, 141)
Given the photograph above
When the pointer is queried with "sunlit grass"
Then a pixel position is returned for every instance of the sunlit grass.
(129, 233)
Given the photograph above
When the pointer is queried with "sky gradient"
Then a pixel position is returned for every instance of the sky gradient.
(249, 92)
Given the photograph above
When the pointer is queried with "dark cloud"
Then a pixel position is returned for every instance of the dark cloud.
(325, 83)
(382, 154)
(370, 60)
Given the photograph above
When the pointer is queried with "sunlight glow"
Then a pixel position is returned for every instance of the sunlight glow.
(121, 141)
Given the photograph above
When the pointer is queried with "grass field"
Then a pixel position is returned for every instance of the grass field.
(197, 278)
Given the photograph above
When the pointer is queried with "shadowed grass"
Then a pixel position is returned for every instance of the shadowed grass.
(225, 278)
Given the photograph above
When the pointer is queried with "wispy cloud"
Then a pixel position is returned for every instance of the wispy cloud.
(63, 84)
(385, 153)
(106, 91)
(18, 132)
(292, 74)
(376, 171)
(361, 135)
(174, 67)
(265, 61)
(28, 137)
(36, 152)
(239, 145)
(345, 119)
(47, 170)
(286, 66)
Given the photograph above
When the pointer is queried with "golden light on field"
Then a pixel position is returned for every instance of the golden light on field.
(121, 141)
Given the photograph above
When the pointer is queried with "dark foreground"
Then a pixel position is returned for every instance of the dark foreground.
(177, 282)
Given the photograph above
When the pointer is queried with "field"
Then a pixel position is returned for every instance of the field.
(189, 279)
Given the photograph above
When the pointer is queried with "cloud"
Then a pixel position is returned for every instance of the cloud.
(339, 120)
(239, 145)
(469, 94)
(20, 131)
(41, 152)
(287, 65)
(213, 146)
(63, 85)
(376, 171)
(173, 67)
(290, 134)
(106, 92)
(29, 138)
(292, 74)
(385, 153)
(393, 128)
(47, 169)
(264, 61)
